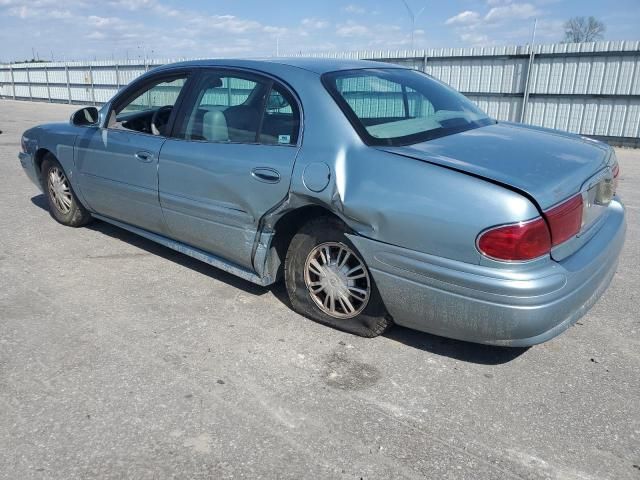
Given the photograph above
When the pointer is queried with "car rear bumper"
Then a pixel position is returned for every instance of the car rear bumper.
(482, 304)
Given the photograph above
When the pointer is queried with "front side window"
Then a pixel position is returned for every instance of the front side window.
(229, 108)
(401, 107)
(149, 110)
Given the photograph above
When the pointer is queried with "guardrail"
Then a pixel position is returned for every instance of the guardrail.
(591, 88)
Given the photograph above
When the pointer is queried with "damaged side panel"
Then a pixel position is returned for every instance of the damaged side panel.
(405, 202)
(211, 200)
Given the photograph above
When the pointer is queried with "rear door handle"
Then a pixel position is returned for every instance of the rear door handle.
(145, 157)
(267, 175)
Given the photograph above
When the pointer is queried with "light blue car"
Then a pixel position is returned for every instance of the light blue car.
(378, 193)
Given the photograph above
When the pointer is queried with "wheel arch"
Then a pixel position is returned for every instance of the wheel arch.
(38, 158)
(320, 226)
(284, 227)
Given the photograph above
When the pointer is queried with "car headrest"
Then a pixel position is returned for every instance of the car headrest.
(215, 82)
(214, 127)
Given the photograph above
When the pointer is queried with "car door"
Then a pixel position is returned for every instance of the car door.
(229, 161)
(118, 163)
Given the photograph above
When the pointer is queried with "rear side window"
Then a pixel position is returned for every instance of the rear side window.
(226, 109)
(229, 108)
(281, 121)
(229, 92)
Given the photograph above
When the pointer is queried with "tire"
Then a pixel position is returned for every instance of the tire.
(64, 206)
(306, 280)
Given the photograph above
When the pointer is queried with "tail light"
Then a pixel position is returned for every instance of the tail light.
(535, 238)
(517, 242)
(565, 220)
(616, 173)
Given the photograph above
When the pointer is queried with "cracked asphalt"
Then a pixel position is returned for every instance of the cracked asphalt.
(120, 358)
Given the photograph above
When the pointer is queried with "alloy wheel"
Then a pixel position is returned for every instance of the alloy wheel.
(337, 280)
(59, 190)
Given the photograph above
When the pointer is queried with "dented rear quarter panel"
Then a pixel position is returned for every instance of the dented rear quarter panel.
(391, 199)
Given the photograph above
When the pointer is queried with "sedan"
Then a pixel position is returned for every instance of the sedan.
(379, 194)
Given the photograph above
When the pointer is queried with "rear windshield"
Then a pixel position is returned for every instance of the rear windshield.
(390, 106)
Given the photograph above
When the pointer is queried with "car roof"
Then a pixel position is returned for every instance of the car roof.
(316, 65)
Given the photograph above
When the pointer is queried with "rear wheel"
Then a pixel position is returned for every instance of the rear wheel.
(64, 206)
(328, 281)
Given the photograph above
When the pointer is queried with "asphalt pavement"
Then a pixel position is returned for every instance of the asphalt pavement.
(120, 358)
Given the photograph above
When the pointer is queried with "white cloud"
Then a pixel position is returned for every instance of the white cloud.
(22, 12)
(96, 36)
(314, 23)
(513, 11)
(351, 29)
(101, 22)
(36, 4)
(275, 30)
(506, 20)
(133, 5)
(465, 17)
(351, 8)
(25, 9)
(60, 14)
(83, 29)
(233, 24)
(505, 12)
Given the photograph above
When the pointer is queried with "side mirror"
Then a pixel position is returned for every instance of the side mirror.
(86, 117)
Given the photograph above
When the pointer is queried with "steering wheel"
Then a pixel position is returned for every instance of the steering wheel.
(160, 118)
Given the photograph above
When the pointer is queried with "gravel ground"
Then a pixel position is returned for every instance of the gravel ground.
(123, 359)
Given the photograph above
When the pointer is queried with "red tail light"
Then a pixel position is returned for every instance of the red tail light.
(565, 220)
(532, 239)
(521, 241)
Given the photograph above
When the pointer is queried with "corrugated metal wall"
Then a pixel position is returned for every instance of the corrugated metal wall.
(590, 88)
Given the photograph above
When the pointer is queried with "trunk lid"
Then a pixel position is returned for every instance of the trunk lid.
(549, 166)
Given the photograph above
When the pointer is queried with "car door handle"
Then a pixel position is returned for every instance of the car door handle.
(268, 175)
(145, 157)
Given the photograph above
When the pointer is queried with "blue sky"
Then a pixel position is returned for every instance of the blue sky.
(85, 29)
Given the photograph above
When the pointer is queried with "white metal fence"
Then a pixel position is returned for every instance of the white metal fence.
(590, 88)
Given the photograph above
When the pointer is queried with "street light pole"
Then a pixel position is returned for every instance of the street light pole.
(413, 17)
(527, 86)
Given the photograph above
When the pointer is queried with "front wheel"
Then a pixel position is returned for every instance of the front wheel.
(64, 206)
(328, 281)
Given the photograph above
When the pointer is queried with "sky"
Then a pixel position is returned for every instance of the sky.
(167, 29)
